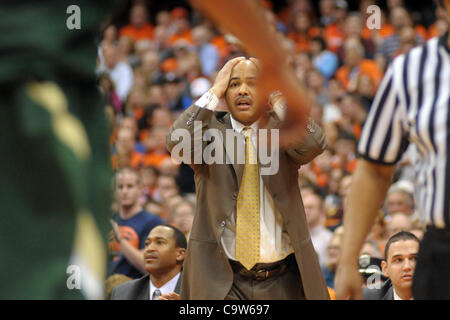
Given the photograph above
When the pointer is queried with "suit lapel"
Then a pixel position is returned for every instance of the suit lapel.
(224, 123)
(178, 285)
(143, 293)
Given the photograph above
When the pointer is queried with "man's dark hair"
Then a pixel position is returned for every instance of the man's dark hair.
(399, 236)
(180, 238)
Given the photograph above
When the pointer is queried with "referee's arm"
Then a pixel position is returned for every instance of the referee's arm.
(367, 192)
(380, 147)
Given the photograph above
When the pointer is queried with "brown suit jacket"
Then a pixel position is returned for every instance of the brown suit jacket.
(207, 272)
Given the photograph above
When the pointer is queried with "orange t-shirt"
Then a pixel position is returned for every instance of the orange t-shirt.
(386, 30)
(367, 67)
(186, 35)
(155, 159)
(303, 41)
(144, 32)
(333, 37)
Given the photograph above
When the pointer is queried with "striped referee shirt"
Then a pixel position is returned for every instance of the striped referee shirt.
(412, 105)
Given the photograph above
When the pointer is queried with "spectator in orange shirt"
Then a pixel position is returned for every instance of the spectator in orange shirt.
(156, 146)
(302, 32)
(334, 34)
(139, 27)
(355, 65)
(125, 154)
(182, 29)
(376, 35)
(353, 114)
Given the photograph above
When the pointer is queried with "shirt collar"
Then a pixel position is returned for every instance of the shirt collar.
(396, 296)
(167, 287)
(237, 126)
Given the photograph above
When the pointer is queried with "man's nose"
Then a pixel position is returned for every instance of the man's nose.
(408, 265)
(243, 89)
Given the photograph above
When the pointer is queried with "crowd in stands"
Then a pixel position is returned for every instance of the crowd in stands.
(155, 66)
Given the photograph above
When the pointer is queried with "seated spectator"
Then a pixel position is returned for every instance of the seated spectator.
(207, 52)
(113, 281)
(323, 60)
(353, 114)
(165, 248)
(408, 40)
(397, 222)
(315, 82)
(400, 198)
(418, 228)
(374, 34)
(379, 233)
(150, 67)
(315, 215)
(125, 154)
(353, 29)
(120, 72)
(355, 64)
(154, 207)
(399, 18)
(109, 90)
(399, 265)
(331, 111)
(333, 255)
(345, 152)
(183, 216)
(187, 60)
(175, 90)
(139, 27)
(126, 51)
(149, 176)
(156, 146)
(131, 226)
(136, 103)
(182, 28)
(334, 33)
(302, 32)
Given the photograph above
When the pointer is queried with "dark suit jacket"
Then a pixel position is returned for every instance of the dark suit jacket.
(138, 289)
(386, 292)
(207, 272)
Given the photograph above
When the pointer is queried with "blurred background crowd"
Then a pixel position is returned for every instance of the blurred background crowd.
(155, 60)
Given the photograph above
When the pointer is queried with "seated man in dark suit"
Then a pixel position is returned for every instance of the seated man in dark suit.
(165, 248)
(400, 261)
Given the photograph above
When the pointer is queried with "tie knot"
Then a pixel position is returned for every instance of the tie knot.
(247, 131)
(156, 294)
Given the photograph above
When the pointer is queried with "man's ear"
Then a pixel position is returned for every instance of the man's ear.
(384, 268)
(181, 252)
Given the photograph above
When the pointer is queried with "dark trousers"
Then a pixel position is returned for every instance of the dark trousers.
(432, 273)
(286, 285)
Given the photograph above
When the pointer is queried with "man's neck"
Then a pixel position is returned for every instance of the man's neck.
(160, 279)
(129, 212)
(404, 294)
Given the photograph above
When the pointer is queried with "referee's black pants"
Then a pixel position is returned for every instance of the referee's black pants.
(432, 273)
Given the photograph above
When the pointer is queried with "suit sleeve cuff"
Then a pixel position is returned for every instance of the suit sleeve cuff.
(208, 100)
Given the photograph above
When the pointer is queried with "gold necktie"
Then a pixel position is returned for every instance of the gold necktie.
(247, 220)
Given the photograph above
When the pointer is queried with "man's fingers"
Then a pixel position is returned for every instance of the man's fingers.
(257, 62)
(231, 63)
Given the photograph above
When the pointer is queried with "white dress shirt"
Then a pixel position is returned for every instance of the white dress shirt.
(275, 242)
(166, 288)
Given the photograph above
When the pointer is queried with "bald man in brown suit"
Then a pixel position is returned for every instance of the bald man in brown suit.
(288, 266)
